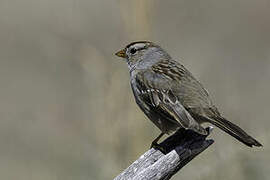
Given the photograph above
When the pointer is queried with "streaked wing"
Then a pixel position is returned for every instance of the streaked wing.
(157, 87)
(190, 92)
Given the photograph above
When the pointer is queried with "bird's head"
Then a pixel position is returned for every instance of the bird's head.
(142, 54)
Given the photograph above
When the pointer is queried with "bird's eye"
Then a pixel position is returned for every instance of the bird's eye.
(133, 51)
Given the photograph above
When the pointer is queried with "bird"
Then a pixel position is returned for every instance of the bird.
(170, 96)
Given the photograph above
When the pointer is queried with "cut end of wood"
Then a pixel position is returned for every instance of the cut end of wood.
(186, 139)
(181, 148)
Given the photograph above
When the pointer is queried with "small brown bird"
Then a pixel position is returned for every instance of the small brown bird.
(169, 94)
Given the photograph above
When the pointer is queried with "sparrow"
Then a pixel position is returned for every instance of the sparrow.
(170, 96)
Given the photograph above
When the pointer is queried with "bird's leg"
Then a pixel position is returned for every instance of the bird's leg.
(155, 144)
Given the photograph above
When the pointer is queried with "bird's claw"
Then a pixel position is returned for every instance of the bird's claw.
(210, 129)
(157, 146)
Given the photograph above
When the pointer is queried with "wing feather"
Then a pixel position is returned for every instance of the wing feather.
(158, 88)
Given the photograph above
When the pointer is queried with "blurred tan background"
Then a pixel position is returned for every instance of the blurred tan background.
(66, 107)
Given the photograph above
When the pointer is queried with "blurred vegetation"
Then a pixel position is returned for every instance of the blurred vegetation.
(67, 110)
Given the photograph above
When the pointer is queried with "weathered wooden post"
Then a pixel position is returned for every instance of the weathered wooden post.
(181, 148)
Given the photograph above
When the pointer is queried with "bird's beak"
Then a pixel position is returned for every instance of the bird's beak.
(121, 53)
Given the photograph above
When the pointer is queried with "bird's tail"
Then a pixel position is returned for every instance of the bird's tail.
(235, 131)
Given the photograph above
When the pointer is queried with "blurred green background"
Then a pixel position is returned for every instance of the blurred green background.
(66, 107)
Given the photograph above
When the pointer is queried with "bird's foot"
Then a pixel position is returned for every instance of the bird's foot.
(157, 146)
(209, 129)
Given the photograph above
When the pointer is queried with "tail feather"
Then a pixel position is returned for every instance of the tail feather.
(235, 131)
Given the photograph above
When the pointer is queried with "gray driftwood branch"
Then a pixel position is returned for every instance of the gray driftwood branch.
(182, 147)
